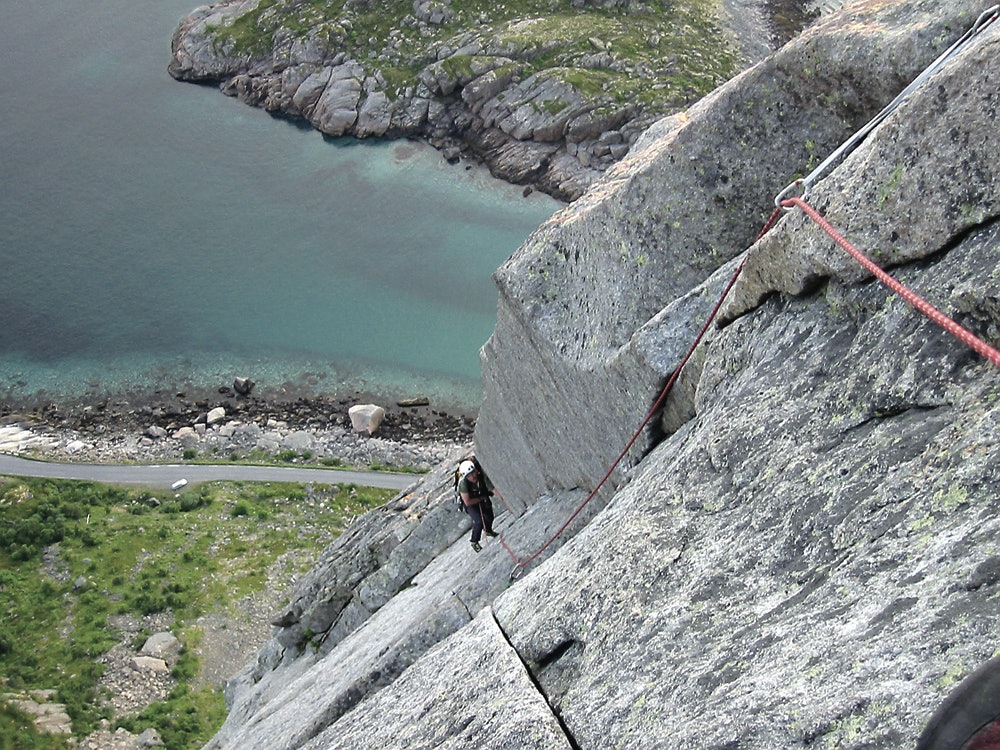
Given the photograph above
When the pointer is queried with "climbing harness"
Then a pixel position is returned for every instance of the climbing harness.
(985, 19)
(785, 201)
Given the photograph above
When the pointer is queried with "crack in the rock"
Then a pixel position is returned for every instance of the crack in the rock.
(465, 606)
(555, 713)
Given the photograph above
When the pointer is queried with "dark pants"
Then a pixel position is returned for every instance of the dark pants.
(482, 518)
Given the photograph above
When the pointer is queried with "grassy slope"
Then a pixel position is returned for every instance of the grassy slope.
(663, 54)
(196, 552)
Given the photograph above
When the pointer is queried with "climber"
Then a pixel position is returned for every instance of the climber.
(476, 489)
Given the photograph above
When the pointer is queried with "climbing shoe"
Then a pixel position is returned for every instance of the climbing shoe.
(476, 547)
(491, 533)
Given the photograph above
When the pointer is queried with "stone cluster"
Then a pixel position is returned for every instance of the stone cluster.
(121, 739)
(135, 680)
(412, 435)
(132, 681)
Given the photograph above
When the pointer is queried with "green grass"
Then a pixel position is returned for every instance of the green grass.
(673, 53)
(72, 554)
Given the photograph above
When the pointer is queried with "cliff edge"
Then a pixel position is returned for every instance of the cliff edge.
(801, 551)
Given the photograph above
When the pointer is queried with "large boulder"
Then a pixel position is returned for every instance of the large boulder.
(366, 417)
(336, 110)
(163, 645)
(539, 108)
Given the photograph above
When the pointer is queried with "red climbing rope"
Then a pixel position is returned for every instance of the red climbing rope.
(784, 202)
(962, 334)
(521, 564)
(956, 330)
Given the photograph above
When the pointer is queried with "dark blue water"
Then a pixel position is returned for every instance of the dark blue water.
(157, 234)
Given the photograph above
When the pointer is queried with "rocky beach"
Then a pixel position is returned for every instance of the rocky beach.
(220, 423)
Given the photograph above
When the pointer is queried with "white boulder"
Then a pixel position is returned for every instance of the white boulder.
(366, 417)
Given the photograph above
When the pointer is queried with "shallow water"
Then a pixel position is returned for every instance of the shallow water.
(157, 234)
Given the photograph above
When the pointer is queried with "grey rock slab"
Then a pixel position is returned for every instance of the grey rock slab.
(470, 691)
(803, 560)
(371, 657)
(400, 580)
(926, 175)
(663, 220)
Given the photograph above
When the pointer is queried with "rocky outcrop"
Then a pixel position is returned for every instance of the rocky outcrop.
(802, 552)
(47, 716)
(601, 302)
(550, 97)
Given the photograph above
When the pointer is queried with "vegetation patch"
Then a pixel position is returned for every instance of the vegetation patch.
(658, 53)
(73, 554)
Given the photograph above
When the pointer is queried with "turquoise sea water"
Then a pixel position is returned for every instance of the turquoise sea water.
(157, 234)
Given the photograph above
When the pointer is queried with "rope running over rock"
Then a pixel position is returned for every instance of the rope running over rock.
(955, 329)
(985, 19)
(519, 563)
(786, 202)
(962, 334)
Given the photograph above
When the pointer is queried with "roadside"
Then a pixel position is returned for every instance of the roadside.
(226, 436)
(163, 442)
(164, 475)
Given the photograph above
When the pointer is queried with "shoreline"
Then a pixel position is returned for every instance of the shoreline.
(300, 426)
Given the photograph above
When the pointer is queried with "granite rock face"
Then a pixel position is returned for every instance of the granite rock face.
(599, 305)
(802, 550)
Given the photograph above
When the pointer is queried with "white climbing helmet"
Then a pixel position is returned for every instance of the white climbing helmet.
(466, 467)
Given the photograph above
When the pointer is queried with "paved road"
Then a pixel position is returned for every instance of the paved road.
(164, 475)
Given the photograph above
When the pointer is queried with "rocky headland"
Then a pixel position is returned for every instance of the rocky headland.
(547, 94)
